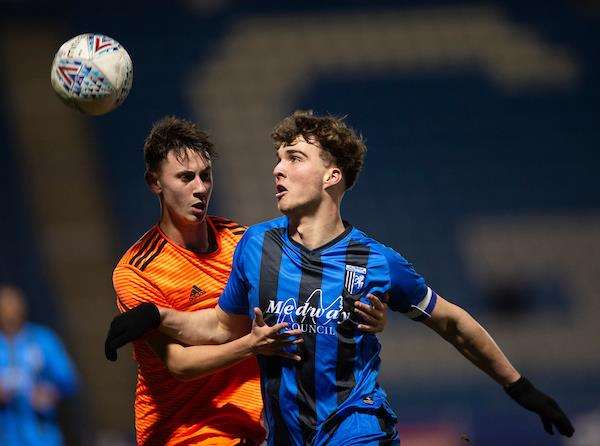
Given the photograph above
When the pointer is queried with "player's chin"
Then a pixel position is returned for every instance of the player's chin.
(283, 207)
(197, 216)
(280, 204)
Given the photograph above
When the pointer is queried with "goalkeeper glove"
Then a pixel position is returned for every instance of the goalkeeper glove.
(524, 393)
(129, 326)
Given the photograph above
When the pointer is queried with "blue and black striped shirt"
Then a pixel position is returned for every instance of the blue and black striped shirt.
(315, 290)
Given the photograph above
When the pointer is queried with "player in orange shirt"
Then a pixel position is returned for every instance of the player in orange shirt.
(183, 263)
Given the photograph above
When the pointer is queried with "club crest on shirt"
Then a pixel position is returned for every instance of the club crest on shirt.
(354, 280)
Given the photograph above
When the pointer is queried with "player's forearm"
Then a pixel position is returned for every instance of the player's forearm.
(192, 328)
(187, 363)
(475, 344)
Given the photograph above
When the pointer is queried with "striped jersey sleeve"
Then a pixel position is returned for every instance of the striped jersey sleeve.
(132, 289)
(130, 280)
(409, 293)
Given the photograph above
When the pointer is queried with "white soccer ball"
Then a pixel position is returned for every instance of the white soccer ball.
(92, 73)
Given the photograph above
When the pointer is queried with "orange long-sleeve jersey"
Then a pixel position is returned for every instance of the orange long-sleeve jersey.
(219, 409)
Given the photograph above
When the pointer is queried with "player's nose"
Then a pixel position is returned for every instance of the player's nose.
(200, 187)
(278, 170)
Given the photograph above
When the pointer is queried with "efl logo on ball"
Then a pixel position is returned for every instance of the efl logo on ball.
(92, 73)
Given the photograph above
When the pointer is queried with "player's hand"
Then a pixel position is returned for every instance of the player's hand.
(44, 397)
(374, 316)
(129, 326)
(524, 393)
(271, 340)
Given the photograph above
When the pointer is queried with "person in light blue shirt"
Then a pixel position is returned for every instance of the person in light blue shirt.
(35, 374)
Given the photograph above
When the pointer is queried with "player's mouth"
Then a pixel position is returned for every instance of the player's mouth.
(200, 206)
(280, 191)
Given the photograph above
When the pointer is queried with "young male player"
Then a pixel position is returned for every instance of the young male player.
(310, 269)
(183, 263)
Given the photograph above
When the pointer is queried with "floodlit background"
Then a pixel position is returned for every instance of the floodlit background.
(481, 120)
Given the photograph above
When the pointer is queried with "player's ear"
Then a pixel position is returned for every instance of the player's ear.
(153, 182)
(333, 176)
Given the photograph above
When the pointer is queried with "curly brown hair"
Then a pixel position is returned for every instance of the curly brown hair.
(346, 148)
(176, 134)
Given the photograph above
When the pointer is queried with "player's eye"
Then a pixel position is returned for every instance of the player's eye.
(187, 177)
(205, 177)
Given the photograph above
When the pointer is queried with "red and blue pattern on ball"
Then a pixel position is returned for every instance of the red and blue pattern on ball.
(83, 79)
(99, 44)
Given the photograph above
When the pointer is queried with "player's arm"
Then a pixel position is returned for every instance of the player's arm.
(209, 326)
(411, 296)
(145, 309)
(201, 327)
(461, 330)
(191, 362)
(228, 322)
(141, 316)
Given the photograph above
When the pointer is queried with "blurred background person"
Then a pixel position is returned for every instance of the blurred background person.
(36, 373)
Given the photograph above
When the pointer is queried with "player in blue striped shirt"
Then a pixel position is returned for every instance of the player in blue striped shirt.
(314, 290)
(312, 270)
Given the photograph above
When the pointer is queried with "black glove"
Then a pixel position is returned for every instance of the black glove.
(524, 393)
(129, 326)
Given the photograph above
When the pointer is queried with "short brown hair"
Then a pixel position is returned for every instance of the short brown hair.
(333, 135)
(177, 134)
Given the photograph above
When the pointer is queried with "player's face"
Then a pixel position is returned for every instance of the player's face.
(185, 186)
(12, 310)
(299, 177)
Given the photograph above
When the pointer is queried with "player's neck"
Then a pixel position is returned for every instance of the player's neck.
(191, 237)
(317, 229)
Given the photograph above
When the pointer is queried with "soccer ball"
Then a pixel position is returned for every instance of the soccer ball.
(92, 73)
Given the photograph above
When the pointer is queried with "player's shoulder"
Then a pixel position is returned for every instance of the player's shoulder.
(220, 222)
(144, 251)
(361, 237)
(257, 230)
(40, 331)
(227, 227)
(278, 223)
(377, 249)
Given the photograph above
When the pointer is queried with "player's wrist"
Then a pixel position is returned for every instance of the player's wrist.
(527, 395)
(511, 380)
(151, 313)
(249, 345)
(518, 387)
(254, 349)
